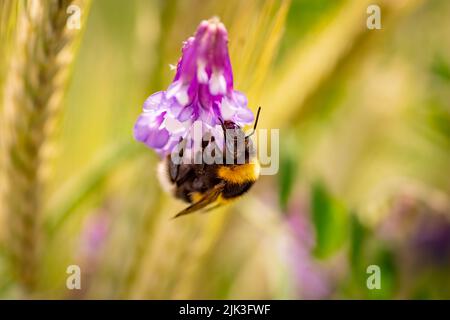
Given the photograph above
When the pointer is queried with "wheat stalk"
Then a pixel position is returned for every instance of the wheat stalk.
(33, 93)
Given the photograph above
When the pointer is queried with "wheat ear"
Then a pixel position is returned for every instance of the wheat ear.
(34, 88)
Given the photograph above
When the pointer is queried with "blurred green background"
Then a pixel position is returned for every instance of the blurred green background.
(364, 179)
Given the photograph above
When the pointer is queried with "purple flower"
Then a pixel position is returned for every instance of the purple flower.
(418, 231)
(202, 90)
(310, 279)
(94, 234)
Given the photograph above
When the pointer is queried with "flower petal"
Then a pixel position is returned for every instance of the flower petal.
(173, 125)
(217, 84)
(186, 113)
(157, 138)
(244, 116)
(145, 123)
(240, 98)
(154, 102)
(227, 108)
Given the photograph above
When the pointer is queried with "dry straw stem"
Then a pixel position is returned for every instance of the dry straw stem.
(313, 60)
(8, 13)
(34, 87)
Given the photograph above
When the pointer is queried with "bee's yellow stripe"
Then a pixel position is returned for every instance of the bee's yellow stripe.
(239, 173)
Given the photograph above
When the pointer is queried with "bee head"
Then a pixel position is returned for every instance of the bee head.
(230, 125)
(234, 129)
(234, 135)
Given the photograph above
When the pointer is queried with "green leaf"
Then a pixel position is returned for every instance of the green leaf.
(330, 220)
(358, 236)
(441, 68)
(288, 171)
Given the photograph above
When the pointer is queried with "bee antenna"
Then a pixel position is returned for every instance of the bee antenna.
(223, 125)
(256, 123)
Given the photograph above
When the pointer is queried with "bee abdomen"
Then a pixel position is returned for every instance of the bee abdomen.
(233, 190)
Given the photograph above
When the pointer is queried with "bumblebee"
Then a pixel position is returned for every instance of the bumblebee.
(208, 186)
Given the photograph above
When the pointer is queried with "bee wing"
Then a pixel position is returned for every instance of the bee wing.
(206, 210)
(209, 197)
